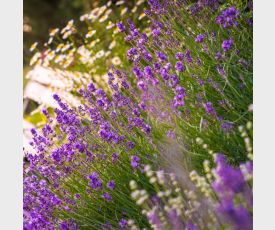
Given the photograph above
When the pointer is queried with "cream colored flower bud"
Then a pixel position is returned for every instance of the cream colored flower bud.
(199, 140)
(241, 128)
(130, 222)
(134, 9)
(153, 180)
(168, 192)
(249, 125)
(135, 194)
(160, 194)
(143, 192)
(144, 212)
(147, 168)
(33, 46)
(150, 173)
(139, 2)
(141, 200)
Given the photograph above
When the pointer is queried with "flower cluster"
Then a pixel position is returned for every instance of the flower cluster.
(221, 199)
(228, 17)
(155, 122)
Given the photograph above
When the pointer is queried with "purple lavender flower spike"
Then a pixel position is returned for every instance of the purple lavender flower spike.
(179, 66)
(107, 197)
(95, 182)
(114, 157)
(227, 44)
(210, 109)
(121, 27)
(191, 226)
(123, 223)
(153, 217)
(111, 184)
(179, 56)
(157, 66)
(228, 17)
(135, 161)
(199, 38)
(141, 85)
(161, 57)
(227, 127)
(156, 32)
(91, 87)
(175, 220)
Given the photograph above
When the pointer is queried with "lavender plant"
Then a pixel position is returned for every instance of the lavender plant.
(221, 200)
(182, 95)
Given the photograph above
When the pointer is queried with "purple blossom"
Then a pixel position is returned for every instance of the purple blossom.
(155, 81)
(147, 56)
(141, 85)
(68, 225)
(248, 166)
(155, 6)
(250, 21)
(148, 72)
(77, 196)
(135, 161)
(131, 52)
(137, 72)
(164, 74)
(180, 90)
(130, 145)
(161, 57)
(191, 226)
(227, 44)
(123, 223)
(45, 112)
(179, 56)
(227, 127)
(56, 156)
(228, 17)
(154, 219)
(199, 38)
(91, 87)
(157, 66)
(121, 27)
(95, 182)
(107, 197)
(156, 32)
(209, 108)
(175, 220)
(188, 57)
(114, 157)
(111, 184)
(171, 134)
(56, 97)
(175, 80)
(231, 179)
(179, 66)
(167, 66)
(218, 56)
(237, 216)
(131, 24)
(128, 38)
(135, 32)
(33, 131)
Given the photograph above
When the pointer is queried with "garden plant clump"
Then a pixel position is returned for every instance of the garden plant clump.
(166, 141)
